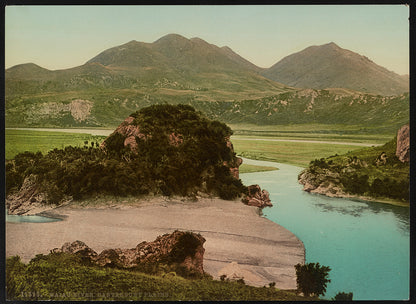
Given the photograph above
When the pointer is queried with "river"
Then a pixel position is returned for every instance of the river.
(366, 244)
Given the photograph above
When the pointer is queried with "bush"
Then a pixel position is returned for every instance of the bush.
(343, 296)
(312, 278)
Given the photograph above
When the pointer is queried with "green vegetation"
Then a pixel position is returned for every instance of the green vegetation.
(312, 278)
(294, 153)
(60, 276)
(343, 296)
(19, 141)
(157, 167)
(244, 168)
(369, 172)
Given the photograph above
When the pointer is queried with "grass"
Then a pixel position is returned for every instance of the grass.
(63, 277)
(293, 153)
(18, 141)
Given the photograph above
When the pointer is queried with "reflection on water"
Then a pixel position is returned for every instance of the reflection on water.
(361, 208)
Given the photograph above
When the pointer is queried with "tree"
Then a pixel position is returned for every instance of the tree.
(343, 296)
(312, 278)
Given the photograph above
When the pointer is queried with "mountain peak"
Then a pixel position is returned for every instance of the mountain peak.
(332, 44)
(171, 38)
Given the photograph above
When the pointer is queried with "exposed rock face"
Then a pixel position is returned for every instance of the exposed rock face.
(257, 197)
(77, 247)
(28, 200)
(129, 132)
(325, 183)
(403, 144)
(184, 248)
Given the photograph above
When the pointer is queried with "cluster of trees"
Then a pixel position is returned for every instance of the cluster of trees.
(157, 167)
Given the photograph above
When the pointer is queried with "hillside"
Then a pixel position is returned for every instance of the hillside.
(330, 66)
(107, 108)
(377, 173)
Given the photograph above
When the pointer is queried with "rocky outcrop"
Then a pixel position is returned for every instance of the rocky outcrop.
(183, 248)
(129, 132)
(326, 183)
(257, 197)
(28, 200)
(77, 247)
(403, 144)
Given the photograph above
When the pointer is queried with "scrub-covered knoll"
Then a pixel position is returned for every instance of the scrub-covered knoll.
(375, 172)
(165, 149)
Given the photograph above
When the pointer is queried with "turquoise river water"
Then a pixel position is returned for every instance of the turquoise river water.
(366, 244)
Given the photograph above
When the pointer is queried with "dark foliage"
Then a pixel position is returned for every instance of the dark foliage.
(343, 296)
(312, 278)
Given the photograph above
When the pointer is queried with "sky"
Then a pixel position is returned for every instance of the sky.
(59, 37)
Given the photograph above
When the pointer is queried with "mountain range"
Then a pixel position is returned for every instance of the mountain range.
(213, 79)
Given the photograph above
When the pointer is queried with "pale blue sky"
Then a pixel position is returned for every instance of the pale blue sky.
(57, 37)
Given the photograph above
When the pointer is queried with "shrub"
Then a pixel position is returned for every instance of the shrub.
(343, 296)
(312, 278)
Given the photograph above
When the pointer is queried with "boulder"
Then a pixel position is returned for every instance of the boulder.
(403, 144)
(78, 248)
(257, 197)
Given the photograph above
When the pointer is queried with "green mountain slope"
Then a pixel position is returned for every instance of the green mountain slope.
(329, 66)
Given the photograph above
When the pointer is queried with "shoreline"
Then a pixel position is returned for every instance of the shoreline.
(364, 199)
(235, 233)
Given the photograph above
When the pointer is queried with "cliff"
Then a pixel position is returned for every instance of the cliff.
(403, 144)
